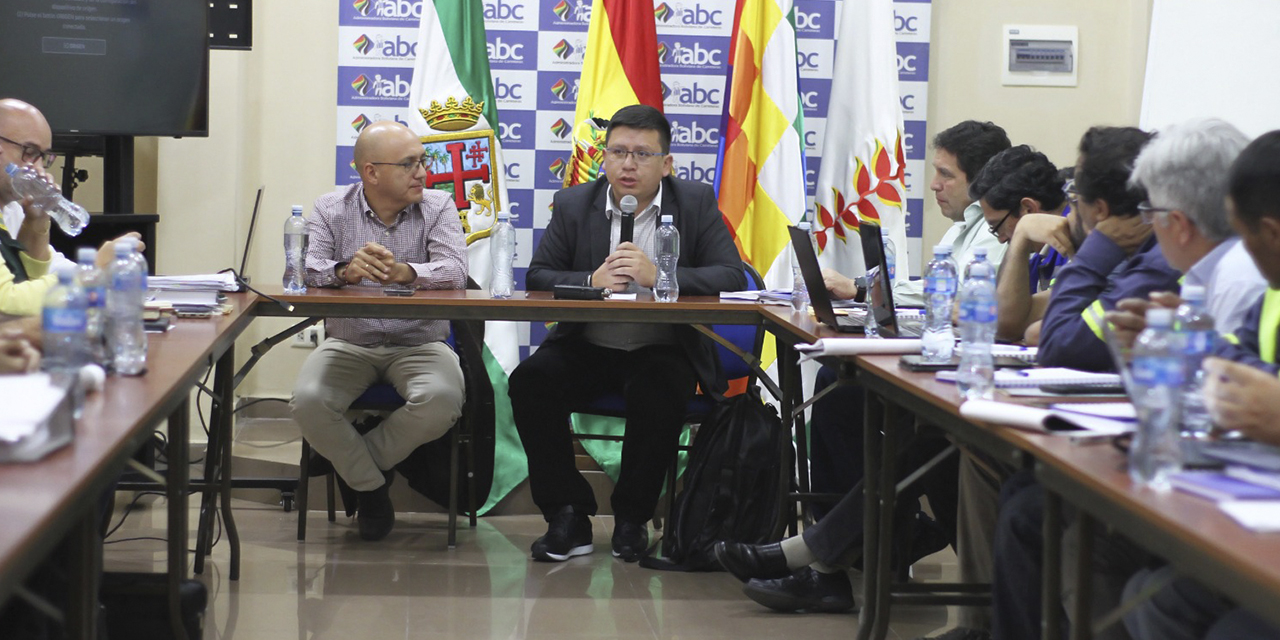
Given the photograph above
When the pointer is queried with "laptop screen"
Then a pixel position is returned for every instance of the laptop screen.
(880, 297)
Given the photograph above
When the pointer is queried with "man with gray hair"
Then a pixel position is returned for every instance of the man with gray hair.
(1184, 171)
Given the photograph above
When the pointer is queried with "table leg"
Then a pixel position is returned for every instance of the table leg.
(224, 386)
(176, 494)
(1051, 589)
(789, 375)
(208, 494)
(873, 419)
(85, 546)
(1082, 625)
(890, 442)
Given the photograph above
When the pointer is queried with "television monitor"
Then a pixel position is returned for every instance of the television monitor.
(116, 67)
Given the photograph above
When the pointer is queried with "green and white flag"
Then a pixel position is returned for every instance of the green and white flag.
(452, 105)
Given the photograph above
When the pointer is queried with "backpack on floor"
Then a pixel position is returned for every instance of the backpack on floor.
(733, 486)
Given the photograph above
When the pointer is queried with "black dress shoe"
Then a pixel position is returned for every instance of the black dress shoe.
(376, 516)
(806, 590)
(752, 561)
(568, 535)
(629, 540)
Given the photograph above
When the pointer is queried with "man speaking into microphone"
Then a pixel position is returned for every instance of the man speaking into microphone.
(602, 234)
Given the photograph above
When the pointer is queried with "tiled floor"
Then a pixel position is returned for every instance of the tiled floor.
(409, 586)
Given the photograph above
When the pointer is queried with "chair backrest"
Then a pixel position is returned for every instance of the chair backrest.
(749, 338)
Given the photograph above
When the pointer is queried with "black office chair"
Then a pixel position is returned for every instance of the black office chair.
(747, 338)
(471, 437)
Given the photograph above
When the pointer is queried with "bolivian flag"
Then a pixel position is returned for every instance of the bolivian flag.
(620, 69)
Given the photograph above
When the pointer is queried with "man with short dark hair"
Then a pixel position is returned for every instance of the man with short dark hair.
(657, 368)
(959, 153)
(1025, 207)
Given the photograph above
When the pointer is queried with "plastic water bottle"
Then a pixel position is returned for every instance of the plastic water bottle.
(890, 259)
(63, 325)
(94, 282)
(295, 252)
(951, 257)
(71, 217)
(667, 288)
(1157, 378)
(975, 376)
(502, 251)
(799, 290)
(125, 336)
(1195, 329)
(940, 293)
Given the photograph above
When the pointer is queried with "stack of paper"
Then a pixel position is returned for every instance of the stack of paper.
(186, 301)
(1076, 424)
(199, 282)
(1014, 378)
(768, 296)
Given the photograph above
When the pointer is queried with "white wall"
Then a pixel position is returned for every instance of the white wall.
(272, 115)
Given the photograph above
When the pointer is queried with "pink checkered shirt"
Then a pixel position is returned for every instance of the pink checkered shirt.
(427, 236)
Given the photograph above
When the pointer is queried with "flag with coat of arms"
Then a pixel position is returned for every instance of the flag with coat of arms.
(861, 178)
(454, 112)
(620, 69)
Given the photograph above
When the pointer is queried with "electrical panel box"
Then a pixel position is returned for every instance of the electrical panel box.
(1040, 55)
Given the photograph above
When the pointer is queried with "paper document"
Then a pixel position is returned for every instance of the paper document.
(1013, 378)
(1043, 420)
(1262, 516)
(858, 347)
(28, 401)
(199, 282)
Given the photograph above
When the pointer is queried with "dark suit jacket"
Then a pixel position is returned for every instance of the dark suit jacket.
(576, 243)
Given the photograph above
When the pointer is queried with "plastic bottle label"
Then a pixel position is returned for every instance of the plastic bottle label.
(982, 313)
(1199, 342)
(935, 284)
(1157, 371)
(64, 321)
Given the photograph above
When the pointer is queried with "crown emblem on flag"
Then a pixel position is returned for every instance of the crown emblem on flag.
(453, 116)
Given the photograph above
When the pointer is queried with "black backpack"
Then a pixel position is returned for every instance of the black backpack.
(733, 489)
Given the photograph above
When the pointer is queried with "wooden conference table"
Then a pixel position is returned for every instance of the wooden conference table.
(58, 498)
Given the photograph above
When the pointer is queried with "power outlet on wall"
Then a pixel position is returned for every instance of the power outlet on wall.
(309, 338)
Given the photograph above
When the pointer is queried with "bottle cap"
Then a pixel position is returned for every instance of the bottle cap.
(504, 216)
(940, 250)
(804, 225)
(66, 272)
(667, 219)
(297, 210)
(86, 255)
(1193, 292)
(1159, 317)
(979, 252)
(11, 168)
(124, 248)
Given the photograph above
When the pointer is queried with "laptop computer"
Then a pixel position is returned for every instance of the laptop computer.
(881, 304)
(248, 241)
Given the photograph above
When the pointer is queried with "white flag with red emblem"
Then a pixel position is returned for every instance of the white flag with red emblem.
(861, 179)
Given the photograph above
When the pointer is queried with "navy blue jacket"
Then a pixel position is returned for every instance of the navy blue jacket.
(1099, 276)
(1243, 344)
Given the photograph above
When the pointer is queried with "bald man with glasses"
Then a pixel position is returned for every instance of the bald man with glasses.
(25, 140)
(387, 229)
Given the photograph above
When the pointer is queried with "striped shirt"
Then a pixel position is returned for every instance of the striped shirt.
(427, 236)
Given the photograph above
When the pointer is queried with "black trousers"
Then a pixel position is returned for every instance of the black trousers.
(835, 438)
(837, 538)
(656, 383)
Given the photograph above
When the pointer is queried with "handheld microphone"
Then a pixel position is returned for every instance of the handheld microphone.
(628, 205)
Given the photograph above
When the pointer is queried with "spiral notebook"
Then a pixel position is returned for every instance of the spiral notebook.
(1022, 378)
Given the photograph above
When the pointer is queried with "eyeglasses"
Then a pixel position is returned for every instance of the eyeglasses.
(1149, 212)
(642, 157)
(995, 228)
(32, 153)
(1073, 196)
(411, 166)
